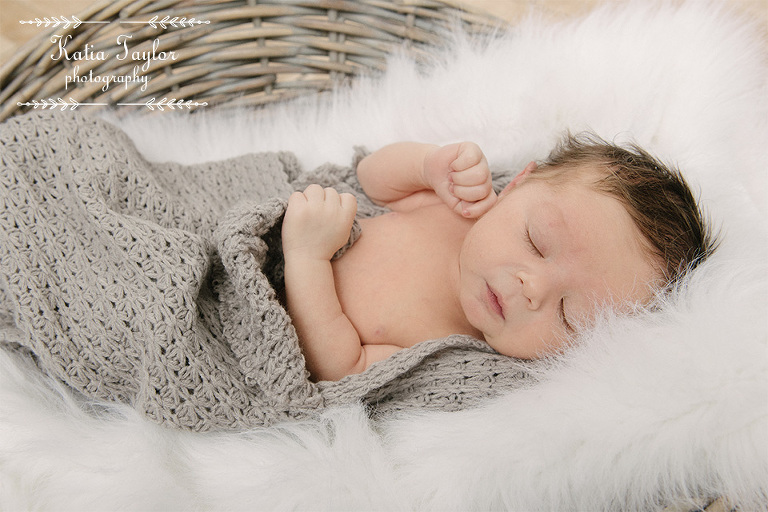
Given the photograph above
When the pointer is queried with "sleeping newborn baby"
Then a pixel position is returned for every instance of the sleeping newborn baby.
(593, 225)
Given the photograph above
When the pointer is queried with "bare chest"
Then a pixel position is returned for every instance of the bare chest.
(398, 283)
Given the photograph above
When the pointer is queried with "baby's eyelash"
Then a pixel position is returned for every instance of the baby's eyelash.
(531, 244)
(568, 326)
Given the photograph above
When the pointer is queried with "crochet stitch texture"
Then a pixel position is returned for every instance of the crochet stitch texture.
(157, 284)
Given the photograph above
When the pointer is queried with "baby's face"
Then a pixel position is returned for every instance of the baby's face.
(543, 259)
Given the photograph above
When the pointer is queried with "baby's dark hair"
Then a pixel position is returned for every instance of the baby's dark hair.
(656, 196)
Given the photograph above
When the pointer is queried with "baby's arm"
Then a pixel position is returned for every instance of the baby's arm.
(457, 173)
(317, 223)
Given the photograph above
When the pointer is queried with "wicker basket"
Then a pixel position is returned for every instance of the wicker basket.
(214, 52)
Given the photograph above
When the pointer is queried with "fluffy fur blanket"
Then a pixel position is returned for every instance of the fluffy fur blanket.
(158, 285)
(664, 406)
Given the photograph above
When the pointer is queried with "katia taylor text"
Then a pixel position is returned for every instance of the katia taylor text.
(124, 53)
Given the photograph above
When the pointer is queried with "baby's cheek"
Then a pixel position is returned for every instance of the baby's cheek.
(532, 341)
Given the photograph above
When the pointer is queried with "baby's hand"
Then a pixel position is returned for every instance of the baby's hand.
(459, 175)
(317, 222)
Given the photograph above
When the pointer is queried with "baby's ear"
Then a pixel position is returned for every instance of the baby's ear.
(521, 177)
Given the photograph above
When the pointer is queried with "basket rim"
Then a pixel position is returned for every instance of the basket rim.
(337, 38)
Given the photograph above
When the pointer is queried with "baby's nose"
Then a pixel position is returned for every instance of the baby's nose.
(535, 288)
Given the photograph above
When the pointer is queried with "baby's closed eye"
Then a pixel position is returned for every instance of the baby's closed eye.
(531, 244)
(564, 319)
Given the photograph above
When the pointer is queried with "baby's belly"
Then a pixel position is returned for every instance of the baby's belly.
(393, 282)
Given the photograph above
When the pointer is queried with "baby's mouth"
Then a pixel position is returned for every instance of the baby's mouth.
(494, 302)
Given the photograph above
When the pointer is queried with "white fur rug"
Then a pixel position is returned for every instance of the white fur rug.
(665, 406)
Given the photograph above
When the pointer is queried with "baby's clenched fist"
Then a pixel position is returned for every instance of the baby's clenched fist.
(459, 175)
(317, 222)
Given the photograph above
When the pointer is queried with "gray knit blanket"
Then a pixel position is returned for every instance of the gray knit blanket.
(159, 285)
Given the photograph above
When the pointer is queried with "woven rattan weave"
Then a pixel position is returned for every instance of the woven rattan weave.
(184, 54)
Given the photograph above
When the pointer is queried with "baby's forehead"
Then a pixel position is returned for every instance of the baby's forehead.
(592, 182)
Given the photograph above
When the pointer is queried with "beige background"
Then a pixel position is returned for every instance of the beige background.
(13, 34)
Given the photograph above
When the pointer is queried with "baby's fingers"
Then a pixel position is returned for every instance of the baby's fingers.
(473, 184)
(473, 210)
(348, 202)
(469, 155)
(475, 175)
(471, 194)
